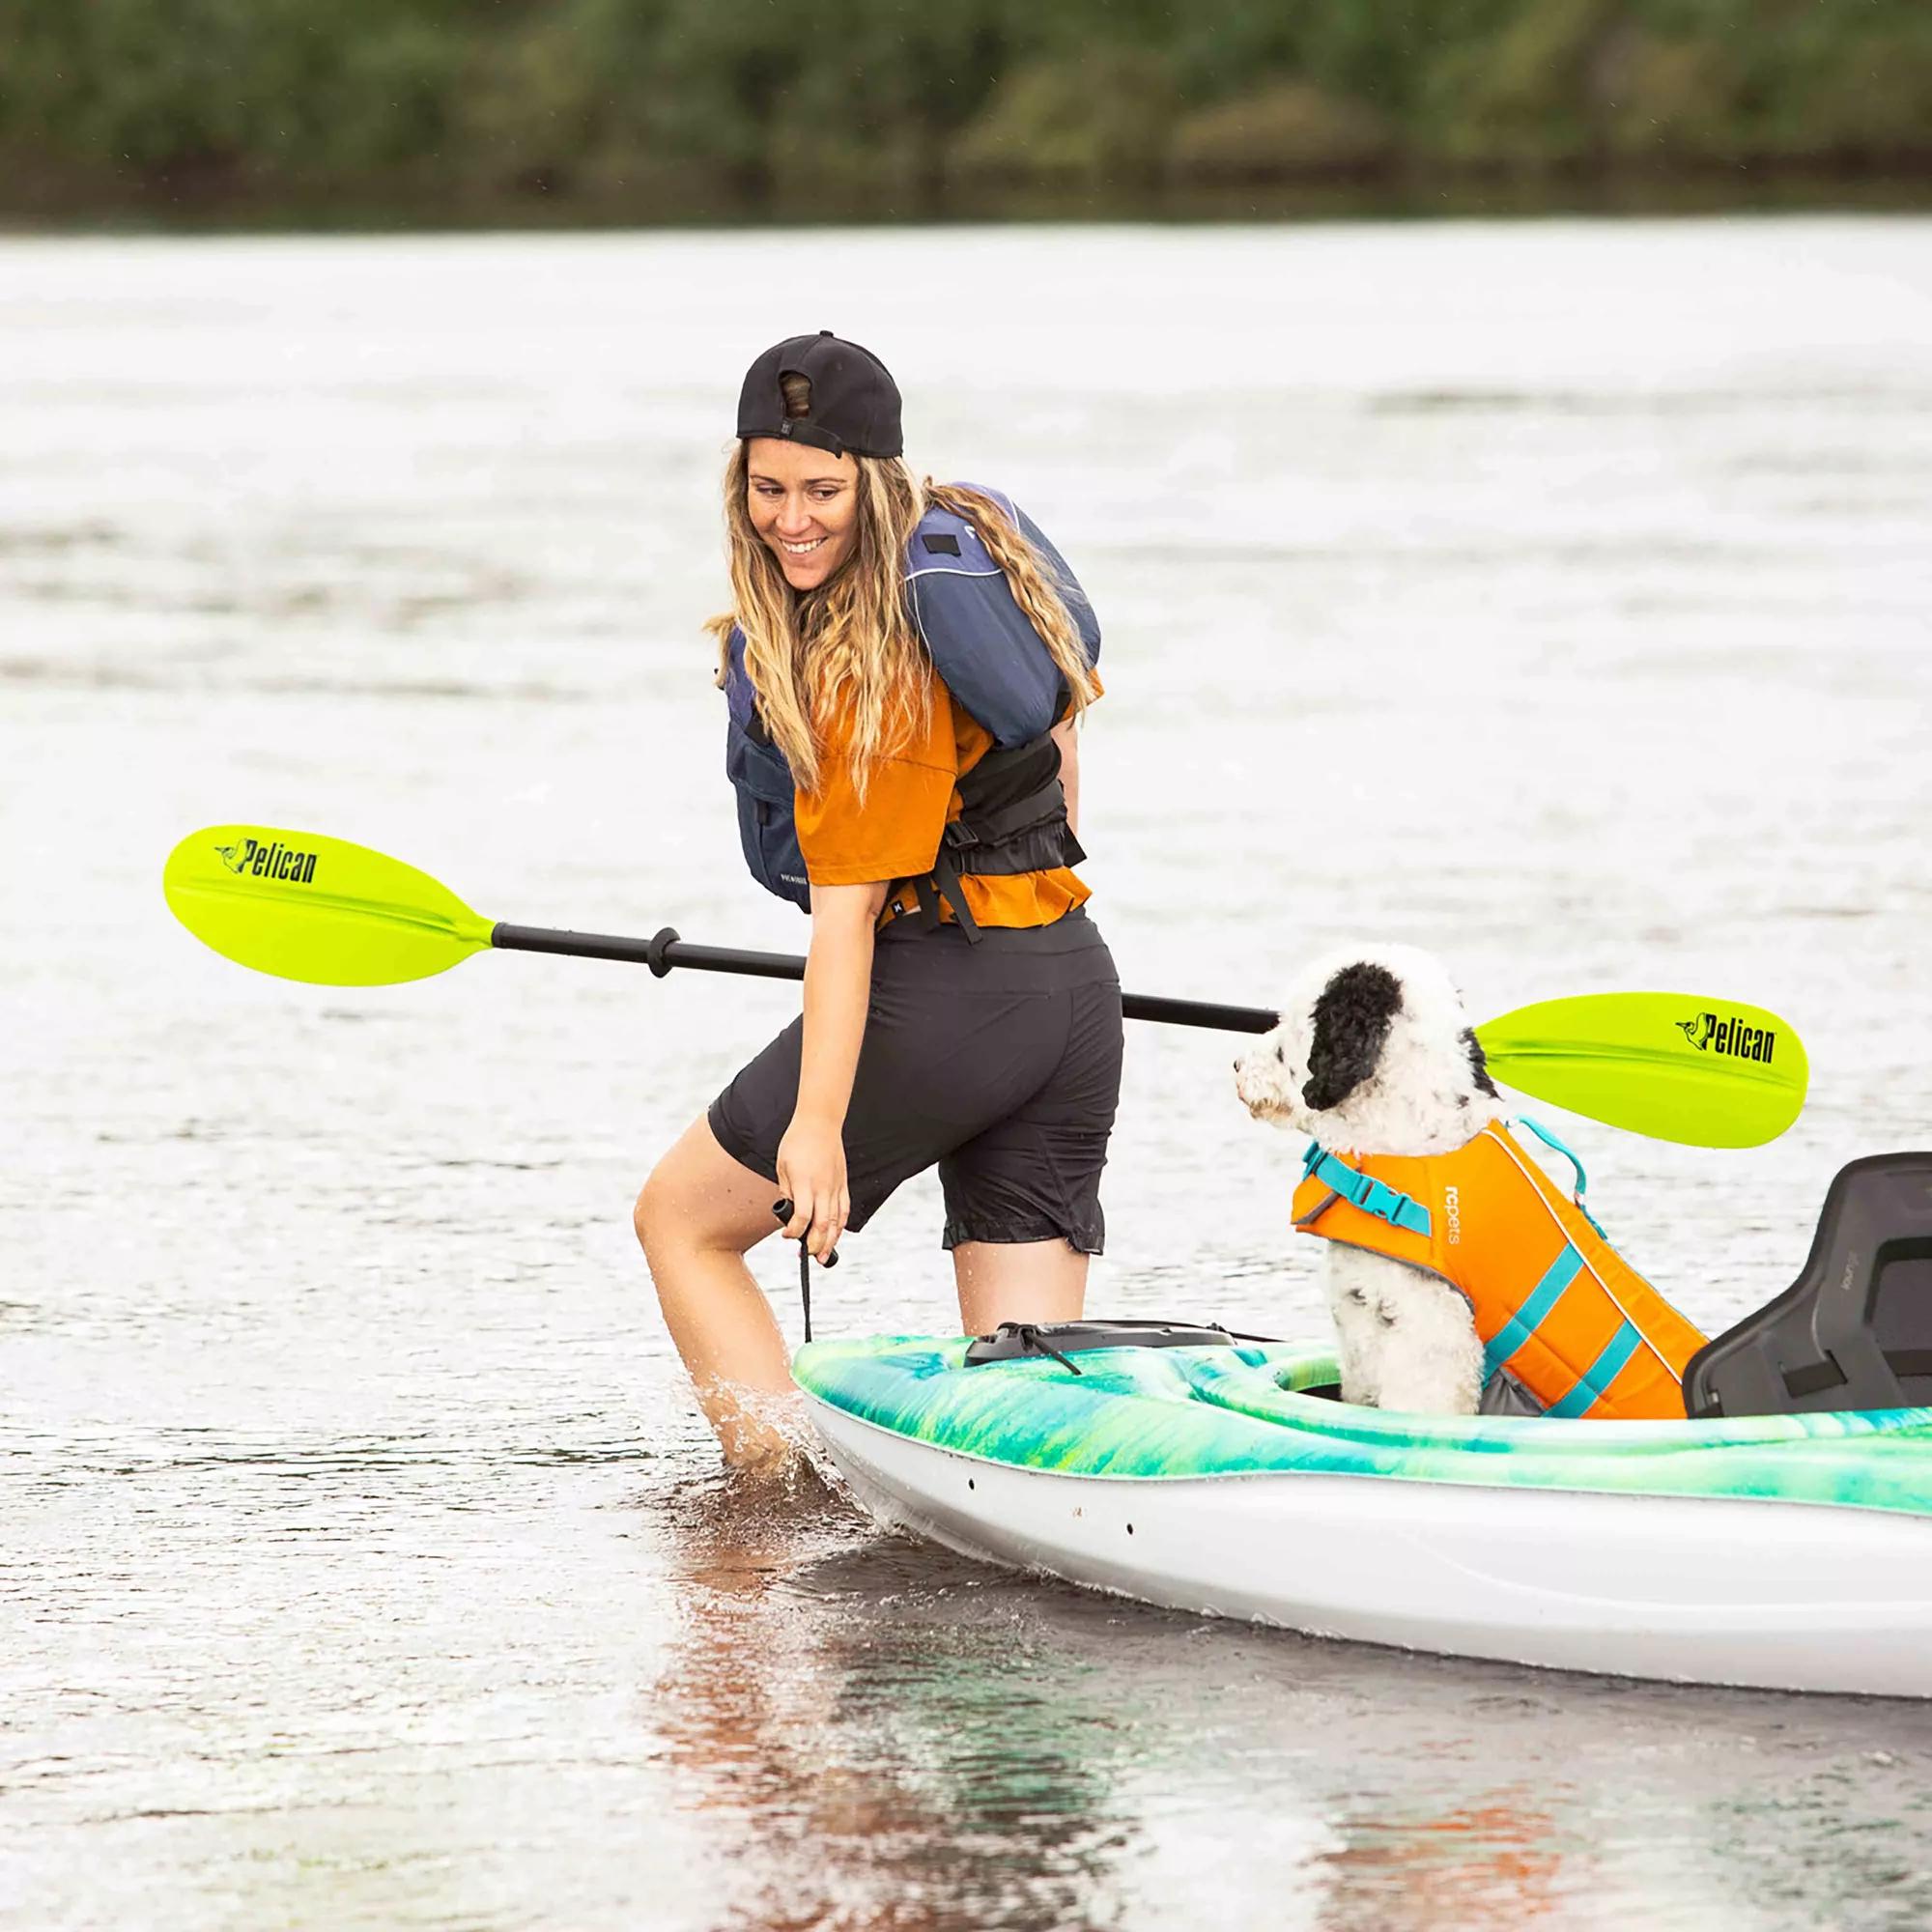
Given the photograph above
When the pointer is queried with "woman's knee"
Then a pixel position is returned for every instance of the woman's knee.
(690, 1201)
(665, 1208)
(648, 1208)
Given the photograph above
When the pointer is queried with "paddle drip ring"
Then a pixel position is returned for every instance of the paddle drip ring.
(654, 953)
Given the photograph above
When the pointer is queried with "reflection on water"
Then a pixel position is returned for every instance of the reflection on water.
(1550, 595)
(901, 1739)
(912, 1771)
(1490, 1865)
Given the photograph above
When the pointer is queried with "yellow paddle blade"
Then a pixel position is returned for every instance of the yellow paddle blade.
(1671, 1066)
(308, 907)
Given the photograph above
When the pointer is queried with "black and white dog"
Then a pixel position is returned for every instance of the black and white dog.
(1374, 1056)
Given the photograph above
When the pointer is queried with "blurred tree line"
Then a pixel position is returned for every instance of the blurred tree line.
(698, 108)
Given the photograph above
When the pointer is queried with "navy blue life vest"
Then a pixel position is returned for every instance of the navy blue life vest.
(1013, 811)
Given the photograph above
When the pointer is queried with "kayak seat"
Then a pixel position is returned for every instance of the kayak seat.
(1855, 1329)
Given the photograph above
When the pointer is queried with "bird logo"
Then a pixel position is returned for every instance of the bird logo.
(1698, 1031)
(234, 857)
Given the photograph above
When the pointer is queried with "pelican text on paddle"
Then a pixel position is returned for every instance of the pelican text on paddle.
(1708, 1034)
(274, 861)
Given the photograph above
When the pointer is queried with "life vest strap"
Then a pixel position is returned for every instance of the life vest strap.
(1365, 1192)
(1569, 1153)
(942, 884)
(1599, 1376)
(1012, 819)
(1556, 1146)
(1524, 1323)
(1044, 806)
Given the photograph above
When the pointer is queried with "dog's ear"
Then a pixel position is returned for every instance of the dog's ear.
(1479, 1065)
(1351, 1026)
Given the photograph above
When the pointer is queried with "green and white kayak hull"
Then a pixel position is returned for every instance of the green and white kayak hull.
(1792, 1553)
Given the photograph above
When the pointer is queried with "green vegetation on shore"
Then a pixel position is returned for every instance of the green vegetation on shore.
(713, 109)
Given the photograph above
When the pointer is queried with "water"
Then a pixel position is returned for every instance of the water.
(1554, 595)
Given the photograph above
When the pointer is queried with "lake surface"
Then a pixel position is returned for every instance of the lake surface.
(1554, 595)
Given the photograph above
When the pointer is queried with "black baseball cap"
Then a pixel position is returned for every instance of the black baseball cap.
(855, 403)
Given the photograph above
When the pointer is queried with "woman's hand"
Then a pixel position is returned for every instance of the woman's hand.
(812, 1175)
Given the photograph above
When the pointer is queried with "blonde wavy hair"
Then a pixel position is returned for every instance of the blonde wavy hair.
(849, 647)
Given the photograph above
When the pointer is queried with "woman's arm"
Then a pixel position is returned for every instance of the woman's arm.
(837, 982)
(1067, 737)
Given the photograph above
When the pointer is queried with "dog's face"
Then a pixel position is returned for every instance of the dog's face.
(1374, 1055)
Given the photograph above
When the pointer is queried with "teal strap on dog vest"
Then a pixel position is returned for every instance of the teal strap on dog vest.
(1600, 1375)
(1549, 1139)
(1527, 1319)
(1364, 1191)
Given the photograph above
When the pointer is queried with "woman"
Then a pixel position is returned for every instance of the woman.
(906, 668)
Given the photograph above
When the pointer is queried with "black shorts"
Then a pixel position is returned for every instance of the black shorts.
(1001, 1062)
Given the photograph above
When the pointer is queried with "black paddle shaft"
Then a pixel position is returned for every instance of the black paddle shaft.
(666, 950)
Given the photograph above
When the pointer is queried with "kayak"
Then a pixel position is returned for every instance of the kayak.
(1779, 1551)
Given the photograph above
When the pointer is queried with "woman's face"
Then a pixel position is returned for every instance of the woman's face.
(803, 505)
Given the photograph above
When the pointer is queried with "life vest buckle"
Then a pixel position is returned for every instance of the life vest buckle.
(1372, 1197)
(1366, 1194)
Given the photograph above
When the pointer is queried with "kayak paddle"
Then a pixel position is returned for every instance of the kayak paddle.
(1670, 1065)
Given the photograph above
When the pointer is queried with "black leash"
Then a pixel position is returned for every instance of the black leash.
(1031, 1338)
(782, 1209)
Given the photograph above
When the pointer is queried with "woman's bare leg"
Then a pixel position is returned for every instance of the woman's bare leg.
(1017, 1281)
(699, 1215)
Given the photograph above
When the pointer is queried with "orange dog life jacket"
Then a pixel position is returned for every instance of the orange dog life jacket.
(1571, 1322)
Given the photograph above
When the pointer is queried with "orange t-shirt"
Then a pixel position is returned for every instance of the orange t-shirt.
(914, 795)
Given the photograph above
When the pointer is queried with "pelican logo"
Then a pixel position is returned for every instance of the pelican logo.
(251, 858)
(1708, 1034)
